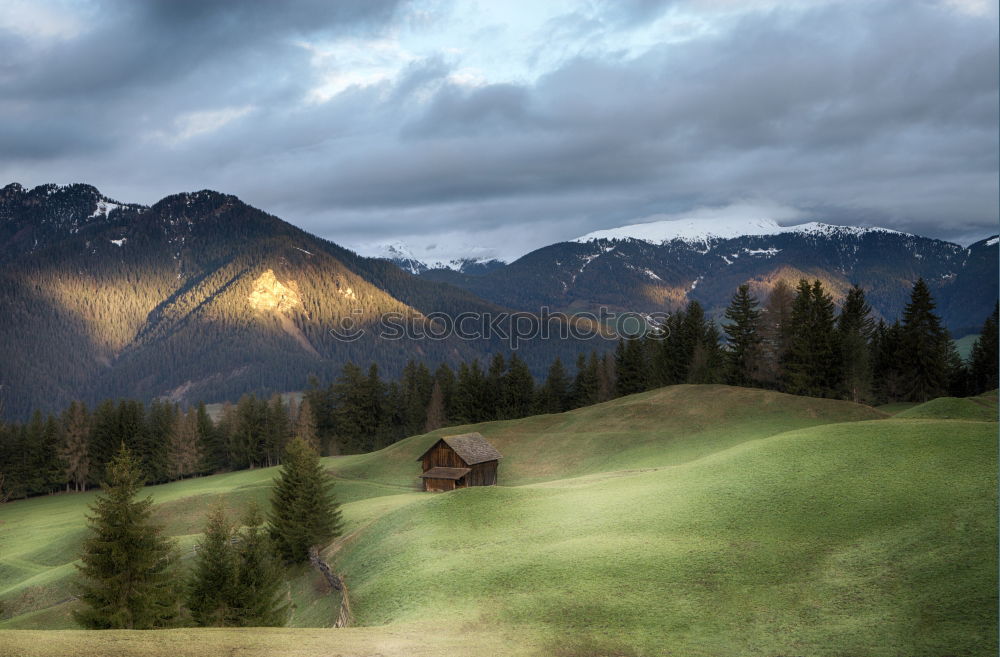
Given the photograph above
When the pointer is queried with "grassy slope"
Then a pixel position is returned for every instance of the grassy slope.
(876, 538)
(982, 408)
(745, 529)
(668, 426)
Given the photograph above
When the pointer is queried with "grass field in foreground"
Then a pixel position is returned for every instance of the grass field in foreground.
(673, 530)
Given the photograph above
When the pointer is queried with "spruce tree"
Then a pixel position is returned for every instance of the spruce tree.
(743, 338)
(128, 568)
(854, 332)
(584, 391)
(813, 363)
(214, 456)
(492, 392)
(305, 425)
(517, 391)
(435, 409)
(776, 332)
(212, 583)
(304, 512)
(553, 397)
(185, 452)
(983, 359)
(926, 347)
(259, 590)
(75, 451)
(631, 374)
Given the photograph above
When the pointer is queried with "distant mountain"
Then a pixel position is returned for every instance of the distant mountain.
(198, 297)
(400, 255)
(660, 266)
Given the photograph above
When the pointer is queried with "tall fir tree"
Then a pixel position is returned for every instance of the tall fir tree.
(212, 583)
(517, 391)
(435, 415)
(214, 458)
(631, 375)
(813, 365)
(983, 358)
(128, 569)
(553, 396)
(776, 333)
(260, 590)
(185, 453)
(585, 384)
(742, 338)
(75, 451)
(927, 350)
(305, 425)
(304, 511)
(854, 333)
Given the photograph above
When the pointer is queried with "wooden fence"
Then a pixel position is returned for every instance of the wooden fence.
(337, 583)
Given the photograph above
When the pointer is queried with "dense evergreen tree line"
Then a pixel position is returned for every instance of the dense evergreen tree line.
(795, 341)
(798, 342)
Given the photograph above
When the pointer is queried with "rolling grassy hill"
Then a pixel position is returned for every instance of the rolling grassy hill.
(692, 520)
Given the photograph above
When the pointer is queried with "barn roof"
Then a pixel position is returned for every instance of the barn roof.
(472, 448)
(446, 473)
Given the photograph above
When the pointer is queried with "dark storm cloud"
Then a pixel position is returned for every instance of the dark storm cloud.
(880, 113)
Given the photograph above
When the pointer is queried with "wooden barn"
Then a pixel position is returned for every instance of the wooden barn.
(458, 461)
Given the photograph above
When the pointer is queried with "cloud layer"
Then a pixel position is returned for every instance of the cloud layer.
(451, 126)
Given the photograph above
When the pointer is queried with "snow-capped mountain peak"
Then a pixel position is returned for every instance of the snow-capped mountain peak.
(403, 256)
(706, 230)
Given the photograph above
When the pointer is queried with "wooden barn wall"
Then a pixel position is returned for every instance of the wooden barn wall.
(439, 484)
(483, 474)
(442, 456)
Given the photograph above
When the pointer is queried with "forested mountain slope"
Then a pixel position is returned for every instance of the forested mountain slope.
(198, 297)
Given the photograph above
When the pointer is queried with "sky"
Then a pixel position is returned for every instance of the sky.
(490, 128)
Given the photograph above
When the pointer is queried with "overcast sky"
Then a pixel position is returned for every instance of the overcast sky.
(492, 127)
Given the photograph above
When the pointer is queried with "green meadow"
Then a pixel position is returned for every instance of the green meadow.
(690, 520)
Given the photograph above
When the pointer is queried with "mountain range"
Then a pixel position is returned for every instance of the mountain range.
(658, 266)
(202, 297)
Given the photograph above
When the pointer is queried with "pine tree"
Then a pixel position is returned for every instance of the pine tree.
(259, 589)
(854, 332)
(469, 394)
(128, 567)
(553, 397)
(926, 347)
(445, 378)
(185, 453)
(492, 392)
(435, 409)
(278, 430)
(517, 391)
(305, 425)
(585, 384)
(631, 374)
(776, 333)
(212, 583)
(813, 365)
(304, 511)
(743, 338)
(983, 359)
(885, 356)
(215, 456)
(707, 357)
(75, 452)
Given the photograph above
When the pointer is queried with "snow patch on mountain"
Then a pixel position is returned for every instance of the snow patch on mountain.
(403, 256)
(704, 231)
